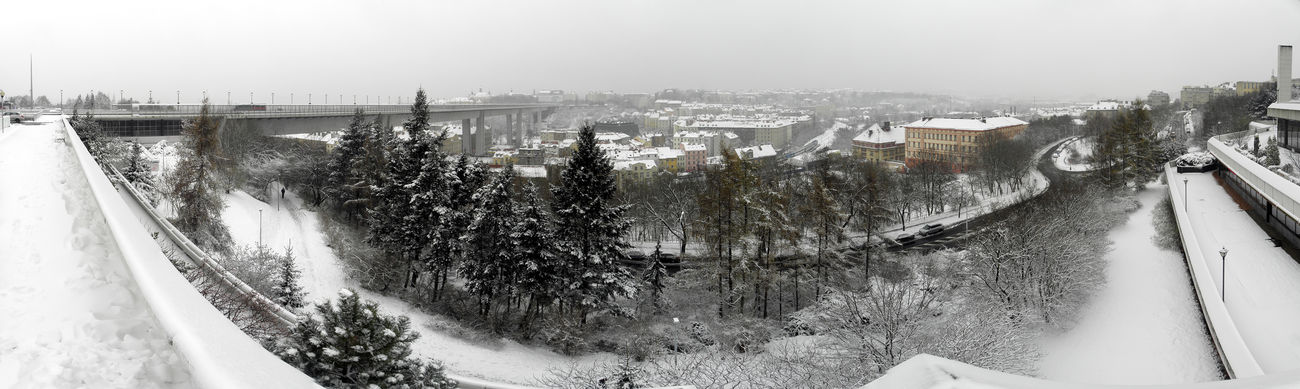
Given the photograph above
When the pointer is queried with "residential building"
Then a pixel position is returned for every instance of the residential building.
(617, 125)
(530, 156)
(549, 96)
(693, 157)
(774, 131)
(760, 153)
(1157, 98)
(1248, 87)
(1196, 96)
(504, 157)
(881, 143)
(956, 143)
(633, 172)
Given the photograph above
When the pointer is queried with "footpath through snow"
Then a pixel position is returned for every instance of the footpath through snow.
(1144, 327)
(322, 276)
(72, 314)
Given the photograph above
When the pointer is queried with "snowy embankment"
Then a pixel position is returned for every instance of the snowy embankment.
(1144, 327)
(72, 316)
(287, 223)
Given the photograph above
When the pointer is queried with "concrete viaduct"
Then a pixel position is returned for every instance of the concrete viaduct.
(150, 123)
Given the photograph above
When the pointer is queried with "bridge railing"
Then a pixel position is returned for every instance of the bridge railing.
(218, 353)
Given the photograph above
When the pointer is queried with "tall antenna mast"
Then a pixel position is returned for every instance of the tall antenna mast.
(31, 84)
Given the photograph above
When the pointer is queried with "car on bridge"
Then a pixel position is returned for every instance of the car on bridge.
(15, 117)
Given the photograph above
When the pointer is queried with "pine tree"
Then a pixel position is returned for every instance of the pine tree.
(539, 267)
(490, 268)
(410, 205)
(136, 171)
(288, 293)
(350, 148)
(1272, 156)
(653, 277)
(196, 189)
(350, 344)
(590, 228)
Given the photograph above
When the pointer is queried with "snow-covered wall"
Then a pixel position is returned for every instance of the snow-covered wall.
(218, 353)
(1236, 357)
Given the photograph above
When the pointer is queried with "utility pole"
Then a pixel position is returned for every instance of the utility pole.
(31, 81)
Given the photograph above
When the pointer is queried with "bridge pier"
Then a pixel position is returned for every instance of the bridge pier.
(482, 139)
(466, 137)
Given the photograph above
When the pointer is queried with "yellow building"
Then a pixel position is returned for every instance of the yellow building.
(956, 143)
(633, 172)
(881, 143)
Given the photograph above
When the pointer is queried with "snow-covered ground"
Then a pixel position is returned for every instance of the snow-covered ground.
(1072, 155)
(1263, 281)
(1144, 327)
(72, 315)
(292, 225)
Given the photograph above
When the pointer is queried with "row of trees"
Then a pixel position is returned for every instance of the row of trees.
(436, 217)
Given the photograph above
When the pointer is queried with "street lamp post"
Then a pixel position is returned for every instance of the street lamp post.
(60, 99)
(1223, 272)
(178, 97)
(1184, 194)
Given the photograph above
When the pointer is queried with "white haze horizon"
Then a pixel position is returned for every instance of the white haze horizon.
(1014, 50)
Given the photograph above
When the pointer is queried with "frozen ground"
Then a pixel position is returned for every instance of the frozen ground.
(292, 224)
(72, 315)
(1144, 327)
(1263, 281)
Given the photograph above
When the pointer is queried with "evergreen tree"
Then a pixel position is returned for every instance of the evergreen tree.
(653, 277)
(195, 187)
(136, 171)
(288, 293)
(407, 216)
(490, 268)
(339, 185)
(590, 227)
(350, 344)
(1272, 156)
(539, 267)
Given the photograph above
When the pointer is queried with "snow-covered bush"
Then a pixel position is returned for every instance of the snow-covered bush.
(1197, 159)
(350, 344)
(256, 266)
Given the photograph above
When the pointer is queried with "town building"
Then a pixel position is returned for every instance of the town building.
(751, 131)
(633, 172)
(881, 143)
(530, 156)
(693, 157)
(1157, 98)
(760, 153)
(1195, 96)
(617, 125)
(956, 143)
(1287, 109)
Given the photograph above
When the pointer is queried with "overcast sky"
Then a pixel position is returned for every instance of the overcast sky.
(1047, 49)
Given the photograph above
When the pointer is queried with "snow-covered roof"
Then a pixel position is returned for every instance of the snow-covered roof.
(634, 165)
(694, 147)
(981, 124)
(875, 134)
(759, 151)
(667, 153)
